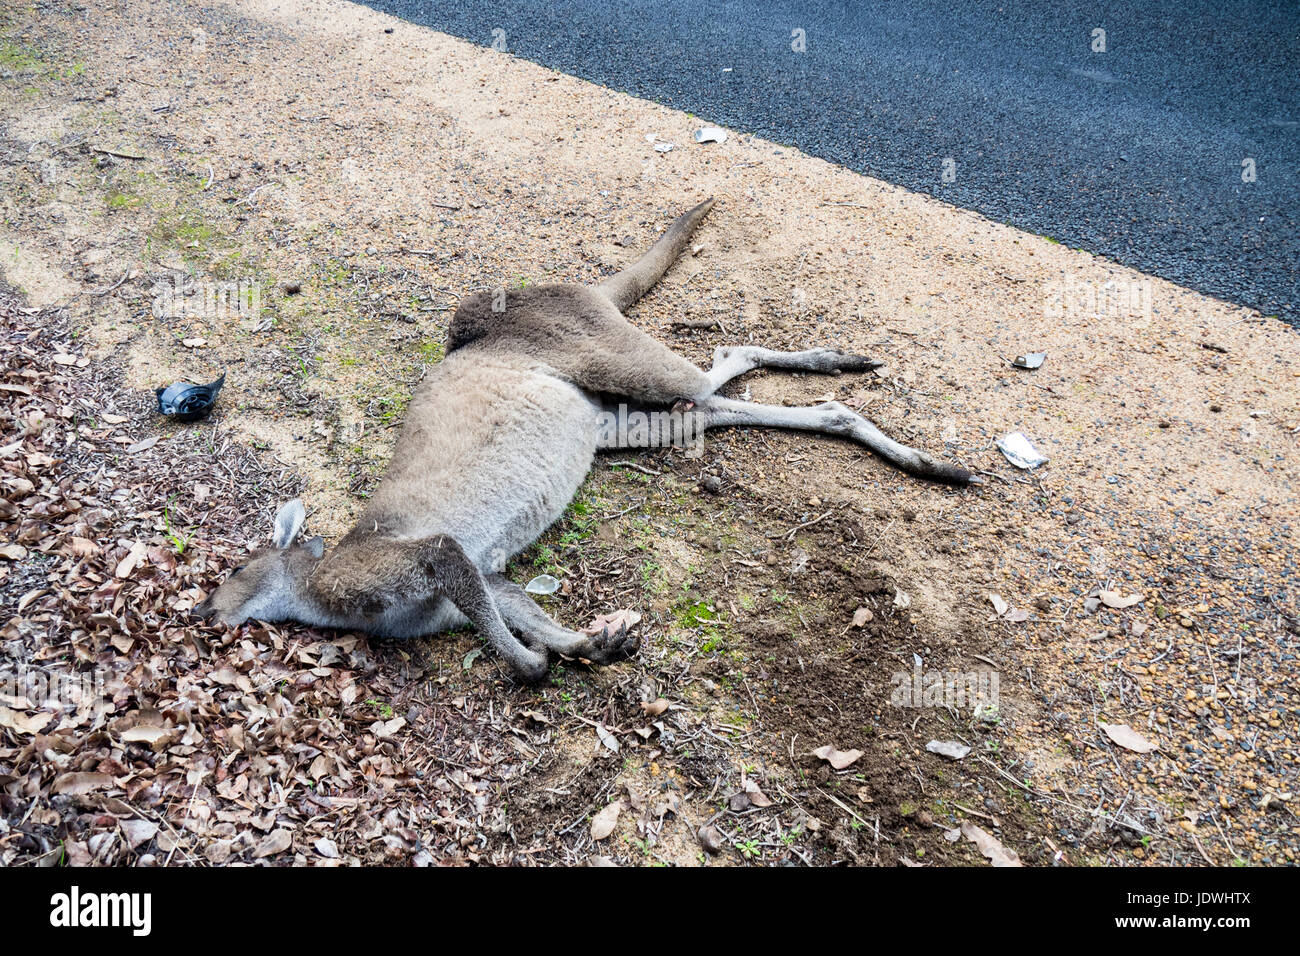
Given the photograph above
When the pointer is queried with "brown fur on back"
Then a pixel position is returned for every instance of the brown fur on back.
(579, 333)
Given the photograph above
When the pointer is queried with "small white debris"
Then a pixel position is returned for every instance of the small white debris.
(948, 748)
(1018, 450)
(543, 584)
(1030, 360)
(710, 134)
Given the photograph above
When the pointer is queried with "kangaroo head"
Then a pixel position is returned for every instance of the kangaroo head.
(267, 587)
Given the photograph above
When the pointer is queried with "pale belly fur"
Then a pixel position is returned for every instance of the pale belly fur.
(491, 453)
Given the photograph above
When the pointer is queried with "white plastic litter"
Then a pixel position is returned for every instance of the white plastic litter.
(710, 134)
(1020, 452)
(543, 584)
(1030, 360)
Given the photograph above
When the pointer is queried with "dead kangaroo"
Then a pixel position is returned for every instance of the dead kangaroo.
(497, 440)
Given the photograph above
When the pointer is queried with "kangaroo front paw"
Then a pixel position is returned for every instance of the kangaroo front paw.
(608, 647)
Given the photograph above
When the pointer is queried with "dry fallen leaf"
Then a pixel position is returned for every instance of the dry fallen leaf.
(385, 729)
(155, 737)
(138, 831)
(75, 784)
(613, 620)
(1128, 738)
(988, 845)
(861, 617)
(1114, 599)
(711, 838)
(608, 740)
(132, 560)
(1000, 606)
(16, 720)
(654, 708)
(839, 759)
(277, 842)
(602, 824)
(83, 547)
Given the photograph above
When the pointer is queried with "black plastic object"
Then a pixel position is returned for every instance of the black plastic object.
(188, 403)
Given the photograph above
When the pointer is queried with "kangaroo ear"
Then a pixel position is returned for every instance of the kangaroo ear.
(315, 547)
(288, 523)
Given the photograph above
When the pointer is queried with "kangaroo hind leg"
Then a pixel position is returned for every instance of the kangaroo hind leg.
(832, 418)
(733, 361)
(537, 627)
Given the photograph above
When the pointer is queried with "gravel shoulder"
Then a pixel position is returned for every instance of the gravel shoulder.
(361, 181)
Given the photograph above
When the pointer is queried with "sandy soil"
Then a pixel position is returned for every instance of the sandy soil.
(387, 173)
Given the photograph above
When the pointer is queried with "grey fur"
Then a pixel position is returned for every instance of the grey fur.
(497, 441)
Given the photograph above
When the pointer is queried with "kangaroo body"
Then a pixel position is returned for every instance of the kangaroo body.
(497, 441)
(525, 435)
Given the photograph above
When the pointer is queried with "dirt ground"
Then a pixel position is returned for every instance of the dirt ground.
(359, 174)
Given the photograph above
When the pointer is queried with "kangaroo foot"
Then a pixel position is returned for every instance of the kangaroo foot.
(607, 647)
(837, 360)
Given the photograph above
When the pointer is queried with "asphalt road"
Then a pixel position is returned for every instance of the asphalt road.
(1135, 153)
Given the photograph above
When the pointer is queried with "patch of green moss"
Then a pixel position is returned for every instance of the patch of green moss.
(431, 351)
(18, 58)
(186, 232)
(703, 618)
(121, 200)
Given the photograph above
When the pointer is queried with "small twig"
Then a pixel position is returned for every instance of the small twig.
(698, 324)
(117, 153)
(974, 813)
(1201, 850)
(240, 202)
(635, 467)
(808, 524)
(73, 145)
(110, 288)
(1157, 659)
(843, 806)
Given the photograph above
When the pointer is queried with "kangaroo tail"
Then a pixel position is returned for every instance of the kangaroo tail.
(635, 281)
